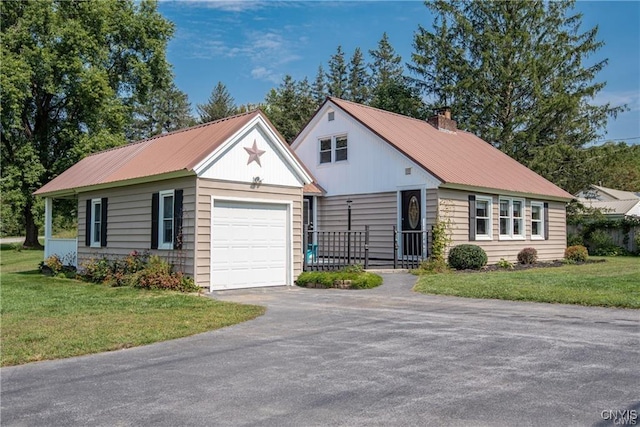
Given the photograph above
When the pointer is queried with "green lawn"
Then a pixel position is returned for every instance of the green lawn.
(50, 318)
(613, 283)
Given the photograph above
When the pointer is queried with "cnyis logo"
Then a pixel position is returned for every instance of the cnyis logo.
(627, 417)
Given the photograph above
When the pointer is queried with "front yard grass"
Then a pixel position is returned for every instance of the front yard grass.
(50, 318)
(613, 283)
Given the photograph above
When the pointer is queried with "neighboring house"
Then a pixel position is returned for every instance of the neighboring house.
(404, 172)
(614, 204)
(223, 200)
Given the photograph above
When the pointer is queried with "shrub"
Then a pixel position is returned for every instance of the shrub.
(333, 279)
(433, 265)
(602, 244)
(54, 264)
(577, 253)
(96, 270)
(574, 239)
(503, 263)
(158, 274)
(528, 256)
(464, 257)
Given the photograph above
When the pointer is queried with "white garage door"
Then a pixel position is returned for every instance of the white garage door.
(249, 245)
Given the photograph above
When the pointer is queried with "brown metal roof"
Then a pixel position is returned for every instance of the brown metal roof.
(459, 158)
(313, 188)
(173, 152)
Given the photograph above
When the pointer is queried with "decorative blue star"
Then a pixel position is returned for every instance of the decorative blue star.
(254, 153)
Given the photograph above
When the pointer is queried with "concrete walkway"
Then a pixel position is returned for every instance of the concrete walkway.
(378, 357)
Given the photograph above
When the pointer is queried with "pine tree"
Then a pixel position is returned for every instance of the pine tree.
(337, 78)
(319, 89)
(514, 73)
(358, 83)
(290, 106)
(219, 105)
(387, 64)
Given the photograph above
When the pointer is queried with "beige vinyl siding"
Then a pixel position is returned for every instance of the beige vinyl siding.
(129, 222)
(455, 206)
(219, 189)
(378, 211)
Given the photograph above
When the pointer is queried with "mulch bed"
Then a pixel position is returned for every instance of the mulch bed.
(518, 266)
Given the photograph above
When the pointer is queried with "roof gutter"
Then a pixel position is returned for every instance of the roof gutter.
(501, 191)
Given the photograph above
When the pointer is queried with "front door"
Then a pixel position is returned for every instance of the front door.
(411, 223)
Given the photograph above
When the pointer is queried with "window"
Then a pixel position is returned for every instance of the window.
(325, 150)
(341, 148)
(166, 219)
(511, 218)
(537, 220)
(333, 149)
(331, 116)
(483, 218)
(165, 238)
(480, 218)
(96, 223)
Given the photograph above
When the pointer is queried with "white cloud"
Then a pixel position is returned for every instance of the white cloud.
(228, 5)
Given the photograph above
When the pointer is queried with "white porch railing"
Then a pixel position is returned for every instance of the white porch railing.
(65, 249)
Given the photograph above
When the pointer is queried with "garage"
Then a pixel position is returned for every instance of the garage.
(249, 244)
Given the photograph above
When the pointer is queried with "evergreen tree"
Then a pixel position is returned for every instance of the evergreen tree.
(290, 106)
(387, 65)
(514, 73)
(166, 110)
(219, 105)
(319, 89)
(337, 78)
(358, 83)
(72, 71)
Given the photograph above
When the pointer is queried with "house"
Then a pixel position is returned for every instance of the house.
(222, 199)
(388, 170)
(614, 204)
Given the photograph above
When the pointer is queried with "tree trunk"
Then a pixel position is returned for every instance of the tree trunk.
(31, 229)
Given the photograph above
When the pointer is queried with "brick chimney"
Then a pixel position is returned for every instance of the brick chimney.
(442, 120)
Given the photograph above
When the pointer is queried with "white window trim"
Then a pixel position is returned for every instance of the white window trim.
(523, 231)
(489, 201)
(161, 244)
(334, 148)
(95, 243)
(541, 221)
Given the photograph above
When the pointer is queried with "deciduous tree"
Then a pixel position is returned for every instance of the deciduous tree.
(71, 73)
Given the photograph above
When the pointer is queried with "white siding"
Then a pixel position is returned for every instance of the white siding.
(373, 166)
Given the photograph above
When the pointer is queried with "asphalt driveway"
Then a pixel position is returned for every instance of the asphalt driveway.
(333, 357)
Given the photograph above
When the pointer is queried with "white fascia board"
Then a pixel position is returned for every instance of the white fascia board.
(313, 122)
(278, 144)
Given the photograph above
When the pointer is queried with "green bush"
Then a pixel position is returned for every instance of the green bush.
(577, 253)
(528, 256)
(574, 239)
(463, 257)
(332, 279)
(95, 270)
(158, 274)
(601, 244)
(505, 264)
(433, 265)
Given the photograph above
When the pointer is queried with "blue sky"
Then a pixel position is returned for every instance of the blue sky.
(251, 45)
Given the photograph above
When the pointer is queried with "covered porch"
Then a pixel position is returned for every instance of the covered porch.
(66, 249)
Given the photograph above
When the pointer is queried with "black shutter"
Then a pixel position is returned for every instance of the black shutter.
(546, 221)
(103, 223)
(155, 204)
(177, 220)
(87, 227)
(472, 218)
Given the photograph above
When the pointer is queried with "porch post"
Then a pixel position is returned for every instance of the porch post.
(48, 215)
